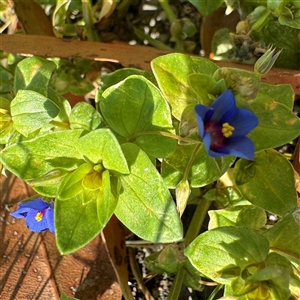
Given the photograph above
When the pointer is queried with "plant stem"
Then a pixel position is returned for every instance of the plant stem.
(197, 221)
(192, 233)
(176, 286)
(189, 165)
(168, 10)
(137, 274)
(215, 291)
(122, 8)
(167, 134)
(88, 20)
(60, 124)
(155, 43)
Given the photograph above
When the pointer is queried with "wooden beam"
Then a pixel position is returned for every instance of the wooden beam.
(127, 55)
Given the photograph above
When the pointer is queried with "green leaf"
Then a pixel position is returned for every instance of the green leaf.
(37, 157)
(283, 37)
(117, 76)
(79, 86)
(172, 74)
(252, 217)
(31, 111)
(76, 223)
(53, 177)
(284, 237)
(261, 182)
(6, 82)
(204, 169)
(92, 181)
(223, 253)
(277, 279)
(290, 16)
(206, 7)
(71, 185)
(242, 83)
(258, 18)
(84, 115)
(101, 146)
(106, 201)
(281, 93)
(277, 124)
(136, 110)
(204, 86)
(63, 104)
(244, 216)
(276, 260)
(168, 260)
(6, 124)
(33, 73)
(144, 199)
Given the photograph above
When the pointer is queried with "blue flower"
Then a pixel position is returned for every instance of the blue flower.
(39, 215)
(223, 127)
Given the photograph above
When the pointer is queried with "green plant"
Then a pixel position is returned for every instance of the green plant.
(102, 160)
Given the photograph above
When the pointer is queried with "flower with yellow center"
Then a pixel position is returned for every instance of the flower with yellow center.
(39, 214)
(223, 127)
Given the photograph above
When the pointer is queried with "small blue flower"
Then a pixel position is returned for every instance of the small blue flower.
(39, 215)
(223, 127)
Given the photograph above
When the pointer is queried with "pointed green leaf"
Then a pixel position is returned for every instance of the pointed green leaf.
(106, 201)
(276, 260)
(62, 103)
(242, 83)
(72, 183)
(76, 223)
(117, 76)
(242, 215)
(53, 177)
(283, 37)
(284, 237)
(84, 115)
(31, 111)
(35, 158)
(277, 279)
(277, 124)
(206, 7)
(136, 110)
(172, 74)
(92, 181)
(282, 93)
(223, 251)
(144, 199)
(203, 85)
(33, 73)
(204, 169)
(101, 146)
(261, 182)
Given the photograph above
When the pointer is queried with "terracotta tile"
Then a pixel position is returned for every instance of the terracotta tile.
(31, 266)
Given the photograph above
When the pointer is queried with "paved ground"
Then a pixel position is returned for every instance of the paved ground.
(32, 268)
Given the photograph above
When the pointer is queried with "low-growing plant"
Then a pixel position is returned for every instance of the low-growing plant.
(191, 133)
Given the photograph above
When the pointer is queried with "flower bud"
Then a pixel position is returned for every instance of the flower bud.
(183, 192)
(264, 64)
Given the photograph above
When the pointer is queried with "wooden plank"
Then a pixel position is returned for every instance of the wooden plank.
(127, 55)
